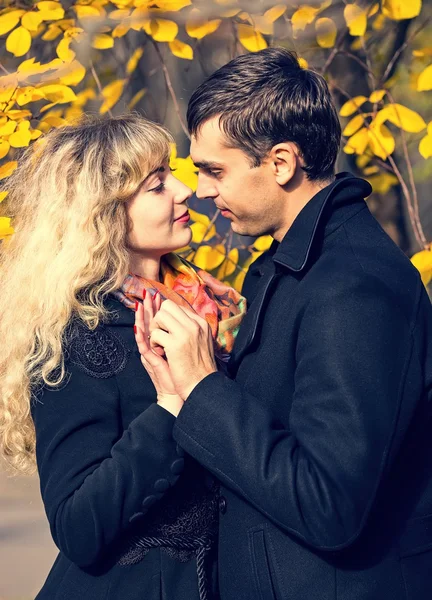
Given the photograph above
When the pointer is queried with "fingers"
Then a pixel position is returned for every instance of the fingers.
(148, 310)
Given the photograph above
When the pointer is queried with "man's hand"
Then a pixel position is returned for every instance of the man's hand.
(188, 343)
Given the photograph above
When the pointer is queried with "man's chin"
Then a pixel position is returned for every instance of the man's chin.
(243, 229)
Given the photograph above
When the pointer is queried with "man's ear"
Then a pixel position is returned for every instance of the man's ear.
(284, 160)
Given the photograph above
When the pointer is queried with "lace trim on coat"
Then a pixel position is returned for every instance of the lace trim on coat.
(99, 353)
(181, 525)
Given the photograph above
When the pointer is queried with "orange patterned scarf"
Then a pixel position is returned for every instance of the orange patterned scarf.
(222, 306)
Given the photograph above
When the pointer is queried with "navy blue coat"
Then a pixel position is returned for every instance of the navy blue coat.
(112, 475)
(322, 435)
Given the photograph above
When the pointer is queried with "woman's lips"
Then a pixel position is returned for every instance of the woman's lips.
(184, 218)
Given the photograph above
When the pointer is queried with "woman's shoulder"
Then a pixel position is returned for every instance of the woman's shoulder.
(101, 352)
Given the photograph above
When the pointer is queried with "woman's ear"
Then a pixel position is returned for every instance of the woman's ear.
(284, 159)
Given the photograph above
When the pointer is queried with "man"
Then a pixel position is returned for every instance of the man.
(321, 435)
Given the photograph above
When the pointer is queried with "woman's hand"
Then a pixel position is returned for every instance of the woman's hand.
(153, 359)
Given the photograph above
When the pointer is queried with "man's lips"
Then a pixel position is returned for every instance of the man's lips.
(184, 218)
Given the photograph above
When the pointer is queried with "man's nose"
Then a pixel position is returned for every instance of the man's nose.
(205, 188)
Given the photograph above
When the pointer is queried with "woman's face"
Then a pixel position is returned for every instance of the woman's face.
(158, 215)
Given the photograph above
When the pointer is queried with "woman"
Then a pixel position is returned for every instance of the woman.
(97, 213)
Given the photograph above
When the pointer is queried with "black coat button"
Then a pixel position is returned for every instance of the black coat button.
(149, 501)
(177, 466)
(222, 504)
(161, 485)
(136, 516)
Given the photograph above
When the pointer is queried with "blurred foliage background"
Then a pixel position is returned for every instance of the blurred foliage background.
(60, 59)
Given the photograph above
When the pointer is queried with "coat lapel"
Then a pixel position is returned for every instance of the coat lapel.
(247, 336)
(291, 255)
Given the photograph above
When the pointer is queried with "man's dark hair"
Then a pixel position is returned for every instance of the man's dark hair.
(266, 98)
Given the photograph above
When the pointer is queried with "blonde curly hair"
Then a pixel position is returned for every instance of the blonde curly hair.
(67, 200)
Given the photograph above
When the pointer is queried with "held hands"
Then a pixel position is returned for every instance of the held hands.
(186, 339)
(153, 359)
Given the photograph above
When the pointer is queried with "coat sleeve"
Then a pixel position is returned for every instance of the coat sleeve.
(94, 476)
(356, 372)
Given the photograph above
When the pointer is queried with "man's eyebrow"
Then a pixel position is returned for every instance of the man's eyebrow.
(204, 164)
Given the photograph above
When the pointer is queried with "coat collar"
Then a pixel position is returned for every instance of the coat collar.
(343, 198)
(294, 250)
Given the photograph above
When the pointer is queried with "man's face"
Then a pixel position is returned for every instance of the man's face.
(248, 196)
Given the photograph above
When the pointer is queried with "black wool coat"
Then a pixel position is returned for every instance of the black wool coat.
(112, 475)
(322, 435)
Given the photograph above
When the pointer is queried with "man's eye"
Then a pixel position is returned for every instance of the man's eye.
(215, 174)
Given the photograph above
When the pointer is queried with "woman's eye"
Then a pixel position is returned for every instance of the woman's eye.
(215, 174)
(159, 189)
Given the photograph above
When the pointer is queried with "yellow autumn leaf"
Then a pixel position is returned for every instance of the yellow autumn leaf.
(249, 38)
(402, 117)
(19, 114)
(358, 142)
(120, 31)
(136, 98)
(120, 14)
(305, 15)
(173, 5)
(51, 11)
(425, 146)
(383, 182)
(4, 148)
(423, 263)
(274, 13)
(302, 17)
(73, 74)
(352, 105)
(3, 196)
(209, 257)
(181, 49)
(303, 63)
(58, 93)
(63, 50)
(326, 32)
(163, 30)
(229, 264)
(19, 41)
(353, 126)
(263, 243)
(9, 20)
(424, 81)
(86, 12)
(7, 128)
(21, 137)
(28, 94)
(401, 9)
(31, 20)
(356, 19)
(377, 96)
(8, 169)
(111, 94)
(5, 227)
(202, 233)
(185, 171)
(134, 60)
(199, 28)
(102, 41)
(51, 33)
(382, 142)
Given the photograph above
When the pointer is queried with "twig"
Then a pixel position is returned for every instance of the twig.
(171, 90)
(411, 179)
(98, 83)
(400, 50)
